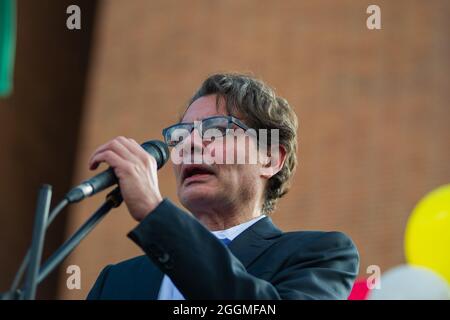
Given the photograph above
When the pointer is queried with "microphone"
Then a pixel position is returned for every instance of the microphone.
(107, 178)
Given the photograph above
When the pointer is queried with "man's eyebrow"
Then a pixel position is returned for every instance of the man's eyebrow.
(183, 121)
(196, 119)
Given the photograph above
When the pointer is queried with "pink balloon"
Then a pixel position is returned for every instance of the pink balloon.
(360, 291)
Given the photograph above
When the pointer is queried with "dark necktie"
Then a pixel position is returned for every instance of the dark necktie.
(225, 241)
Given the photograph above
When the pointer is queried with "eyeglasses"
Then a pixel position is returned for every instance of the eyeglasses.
(219, 125)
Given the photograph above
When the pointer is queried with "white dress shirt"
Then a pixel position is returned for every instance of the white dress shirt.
(168, 291)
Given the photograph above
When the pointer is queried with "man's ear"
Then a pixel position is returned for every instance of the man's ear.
(272, 163)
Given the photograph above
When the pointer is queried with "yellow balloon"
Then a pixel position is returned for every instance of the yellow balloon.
(427, 236)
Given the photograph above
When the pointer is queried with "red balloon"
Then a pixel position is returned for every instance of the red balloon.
(359, 291)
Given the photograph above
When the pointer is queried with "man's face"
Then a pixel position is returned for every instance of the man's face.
(202, 186)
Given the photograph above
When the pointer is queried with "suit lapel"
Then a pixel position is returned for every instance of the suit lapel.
(246, 247)
(149, 279)
(254, 241)
(157, 277)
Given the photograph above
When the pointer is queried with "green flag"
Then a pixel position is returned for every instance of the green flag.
(7, 45)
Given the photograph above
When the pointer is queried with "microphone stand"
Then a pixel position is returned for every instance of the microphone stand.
(37, 242)
(36, 275)
(113, 200)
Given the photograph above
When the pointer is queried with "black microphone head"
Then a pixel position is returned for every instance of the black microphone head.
(158, 150)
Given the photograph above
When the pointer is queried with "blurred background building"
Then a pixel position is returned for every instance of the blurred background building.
(373, 107)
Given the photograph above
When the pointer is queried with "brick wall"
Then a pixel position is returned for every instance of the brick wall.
(373, 106)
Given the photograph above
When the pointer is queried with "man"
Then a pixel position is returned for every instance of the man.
(226, 246)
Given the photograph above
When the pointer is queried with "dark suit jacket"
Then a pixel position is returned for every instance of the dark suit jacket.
(261, 263)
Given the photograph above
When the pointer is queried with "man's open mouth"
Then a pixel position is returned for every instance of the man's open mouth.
(191, 173)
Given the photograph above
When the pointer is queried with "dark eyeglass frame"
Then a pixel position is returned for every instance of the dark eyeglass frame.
(191, 126)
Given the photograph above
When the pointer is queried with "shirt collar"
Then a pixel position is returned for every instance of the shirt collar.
(233, 232)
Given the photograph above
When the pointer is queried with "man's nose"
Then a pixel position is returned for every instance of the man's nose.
(195, 145)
